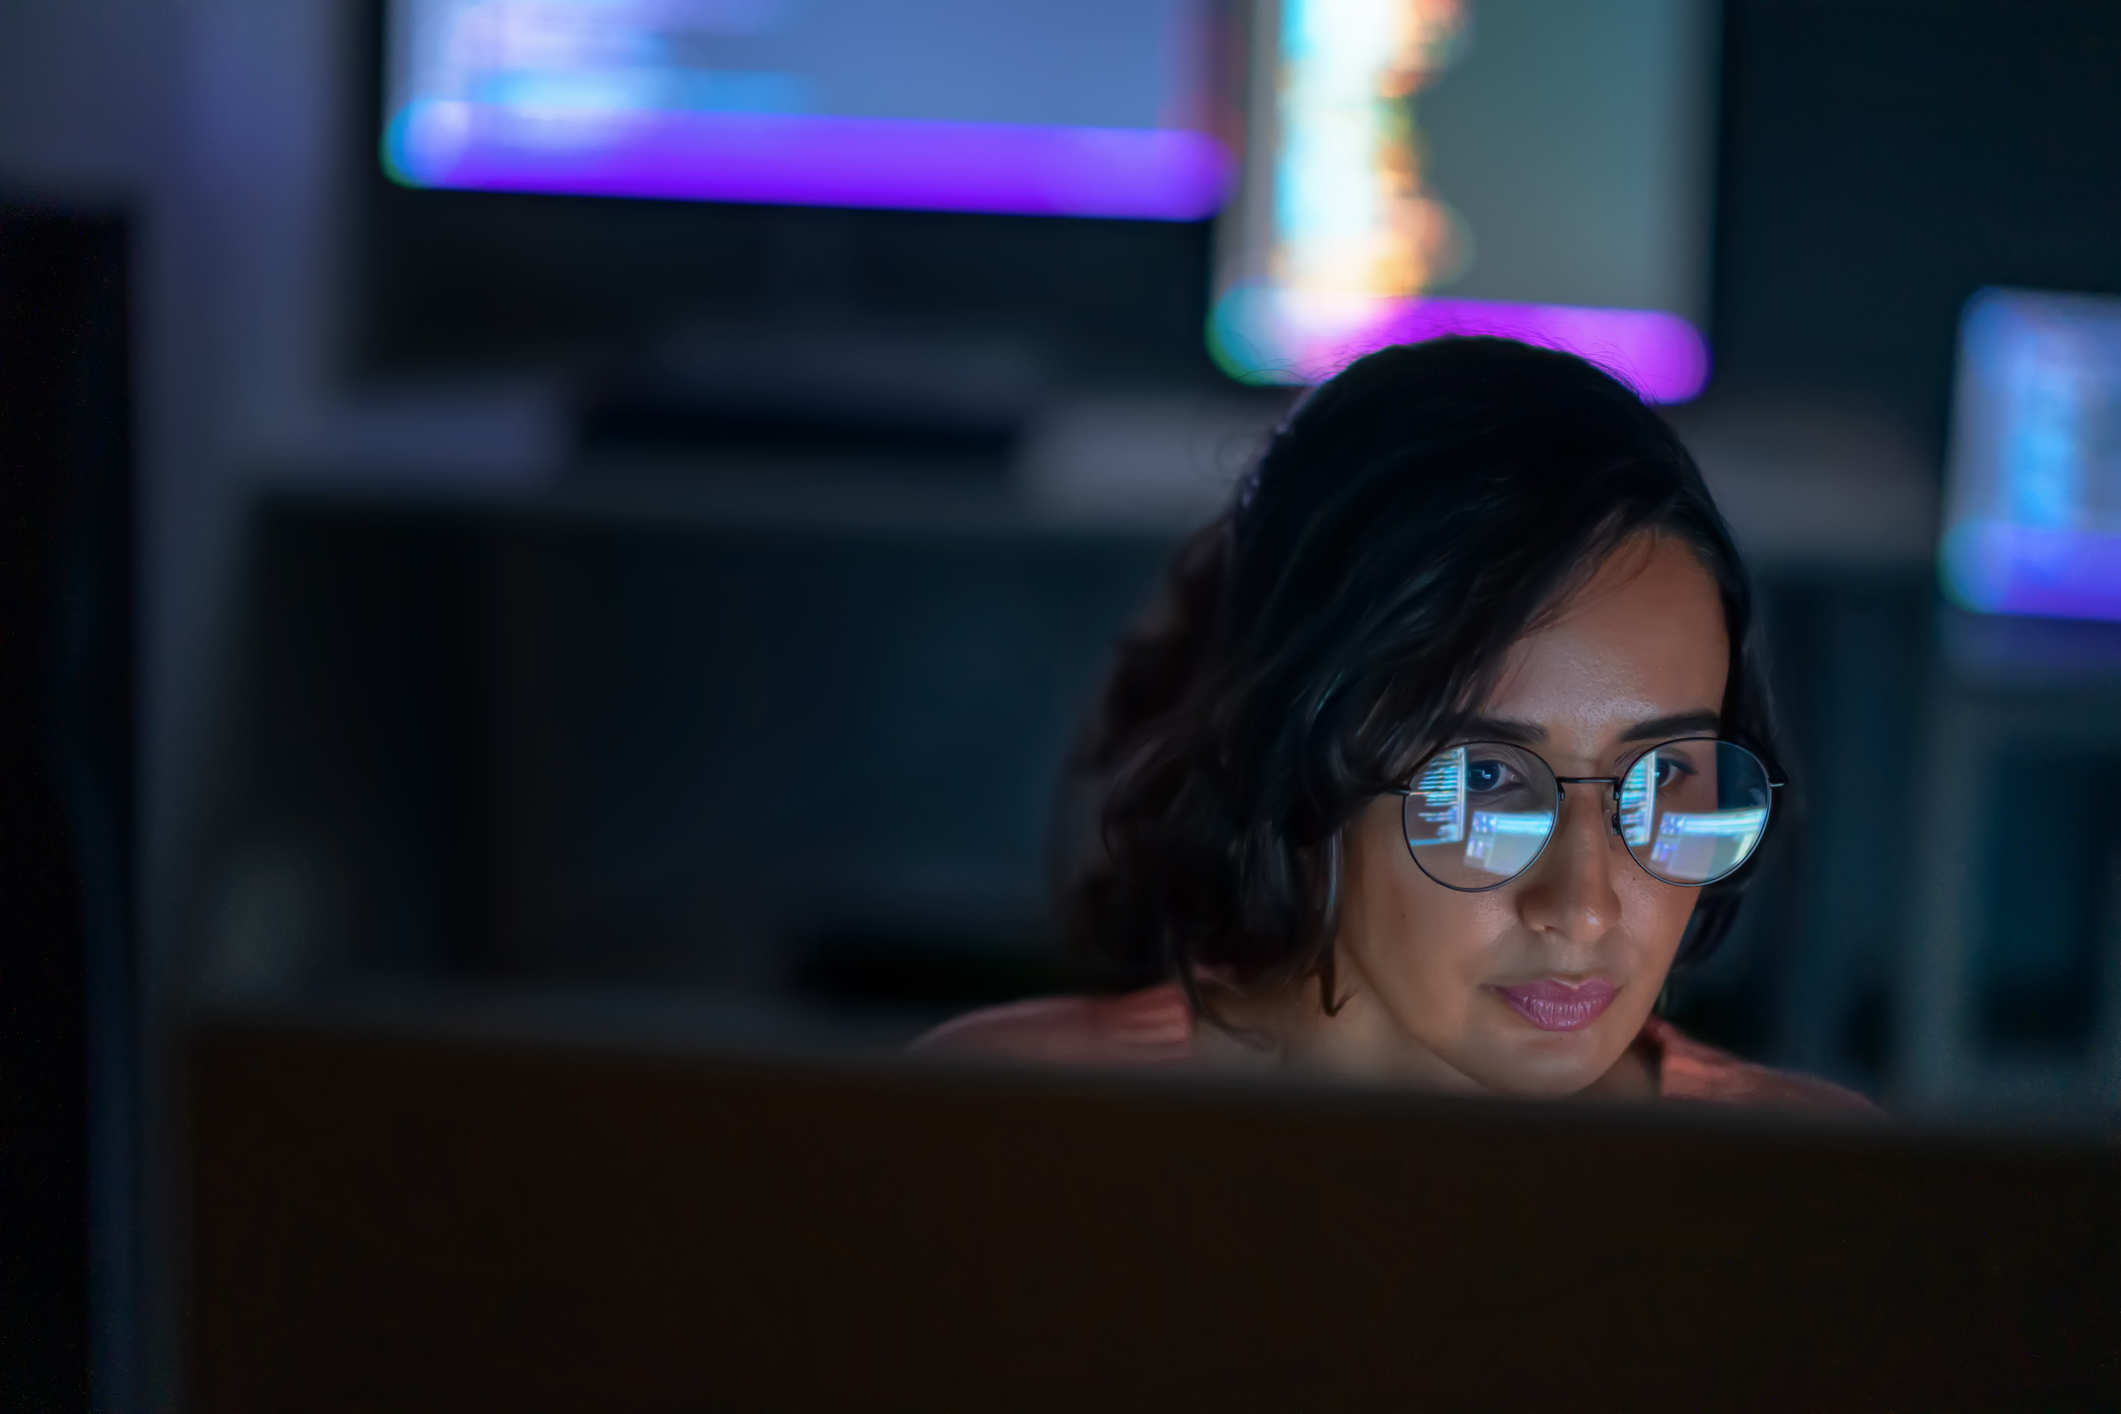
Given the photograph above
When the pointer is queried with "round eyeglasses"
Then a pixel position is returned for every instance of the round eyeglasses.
(1691, 811)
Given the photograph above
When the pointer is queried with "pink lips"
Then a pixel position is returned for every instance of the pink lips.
(1552, 1005)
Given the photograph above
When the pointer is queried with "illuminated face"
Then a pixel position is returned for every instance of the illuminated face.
(1539, 986)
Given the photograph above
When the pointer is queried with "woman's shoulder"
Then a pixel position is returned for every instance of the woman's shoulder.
(1149, 1027)
(1689, 1070)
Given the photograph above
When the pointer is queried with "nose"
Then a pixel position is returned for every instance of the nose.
(1568, 892)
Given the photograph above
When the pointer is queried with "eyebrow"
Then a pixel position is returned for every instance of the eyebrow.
(1678, 724)
(1524, 733)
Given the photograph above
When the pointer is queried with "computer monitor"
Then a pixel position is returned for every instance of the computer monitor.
(604, 189)
(407, 1211)
(2033, 501)
(1045, 107)
(1532, 168)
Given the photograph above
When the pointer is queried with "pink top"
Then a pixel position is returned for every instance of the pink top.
(1155, 1027)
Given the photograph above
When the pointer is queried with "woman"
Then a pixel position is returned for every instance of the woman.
(1450, 742)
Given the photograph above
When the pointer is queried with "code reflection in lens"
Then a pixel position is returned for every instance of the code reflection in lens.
(1478, 814)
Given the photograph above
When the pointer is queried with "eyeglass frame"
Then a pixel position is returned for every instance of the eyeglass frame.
(1561, 783)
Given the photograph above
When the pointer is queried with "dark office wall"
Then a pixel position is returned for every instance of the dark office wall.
(1880, 161)
(65, 821)
(551, 747)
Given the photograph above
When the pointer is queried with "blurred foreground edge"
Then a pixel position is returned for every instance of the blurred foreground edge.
(412, 1220)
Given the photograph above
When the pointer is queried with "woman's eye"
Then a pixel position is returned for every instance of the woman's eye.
(1671, 771)
(1484, 777)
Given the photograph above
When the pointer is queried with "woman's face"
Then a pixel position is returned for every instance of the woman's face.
(1501, 991)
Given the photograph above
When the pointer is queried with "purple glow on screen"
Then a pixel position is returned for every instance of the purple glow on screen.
(1157, 174)
(1284, 336)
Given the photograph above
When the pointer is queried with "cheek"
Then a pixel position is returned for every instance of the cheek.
(1411, 935)
(1655, 915)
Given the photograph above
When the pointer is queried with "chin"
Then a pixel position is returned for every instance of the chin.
(1549, 1067)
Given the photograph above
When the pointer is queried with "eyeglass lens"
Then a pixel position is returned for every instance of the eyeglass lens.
(1693, 811)
(1690, 812)
(1479, 814)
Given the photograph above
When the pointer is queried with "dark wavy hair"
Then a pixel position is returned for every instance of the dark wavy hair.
(1413, 517)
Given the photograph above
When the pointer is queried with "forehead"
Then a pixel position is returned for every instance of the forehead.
(1642, 638)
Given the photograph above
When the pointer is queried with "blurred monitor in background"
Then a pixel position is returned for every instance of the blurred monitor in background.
(1534, 168)
(2034, 503)
(923, 213)
(1052, 107)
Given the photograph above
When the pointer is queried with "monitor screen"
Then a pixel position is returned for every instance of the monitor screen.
(2033, 501)
(1532, 168)
(1094, 108)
